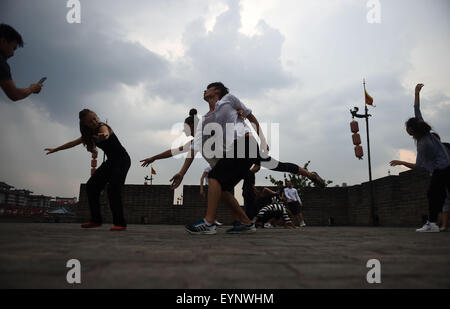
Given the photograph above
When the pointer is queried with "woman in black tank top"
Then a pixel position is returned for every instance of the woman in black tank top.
(112, 172)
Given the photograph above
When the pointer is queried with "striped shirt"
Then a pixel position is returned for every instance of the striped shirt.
(274, 210)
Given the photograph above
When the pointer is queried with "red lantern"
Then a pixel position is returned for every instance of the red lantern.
(93, 163)
(93, 171)
(354, 126)
(94, 155)
(359, 152)
(356, 139)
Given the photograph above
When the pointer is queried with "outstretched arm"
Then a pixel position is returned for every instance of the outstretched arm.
(16, 94)
(178, 178)
(269, 191)
(68, 145)
(166, 154)
(407, 164)
(417, 112)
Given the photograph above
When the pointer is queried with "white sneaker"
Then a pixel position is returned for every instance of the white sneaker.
(302, 224)
(218, 223)
(268, 225)
(429, 227)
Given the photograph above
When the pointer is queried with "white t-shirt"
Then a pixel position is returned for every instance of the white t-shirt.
(292, 194)
(224, 118)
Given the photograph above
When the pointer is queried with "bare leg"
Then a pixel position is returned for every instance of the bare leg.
(445, 219)
(304, 172)
(214, 195)
(234, 213)
(236, 210)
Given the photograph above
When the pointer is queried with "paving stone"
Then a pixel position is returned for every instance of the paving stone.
(34, 255)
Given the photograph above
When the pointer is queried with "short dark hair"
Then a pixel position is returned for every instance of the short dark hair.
(221, 87)
(418, 127)
(10, 34)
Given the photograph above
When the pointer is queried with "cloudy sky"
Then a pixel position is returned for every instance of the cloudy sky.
(142, 65)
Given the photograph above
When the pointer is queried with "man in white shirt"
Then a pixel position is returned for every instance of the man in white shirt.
(228, 168)
(231, 152)
(294, 203)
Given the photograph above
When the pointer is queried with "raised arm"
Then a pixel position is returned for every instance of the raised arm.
(68, 145)
(417, 112)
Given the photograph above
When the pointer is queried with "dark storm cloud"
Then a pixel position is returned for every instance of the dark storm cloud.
(78, 59)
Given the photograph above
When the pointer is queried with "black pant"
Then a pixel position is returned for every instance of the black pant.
(113, 173)
(251, 208)
(437, 193)
(294, 207)
(234, 166)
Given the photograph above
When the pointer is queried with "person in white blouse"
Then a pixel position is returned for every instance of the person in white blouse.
(294, 203)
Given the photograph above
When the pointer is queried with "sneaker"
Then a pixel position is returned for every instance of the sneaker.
(117, 228)
(241, 228)
(90, 225)
(302, 224)
(317, 180)
(443, 229)
(429, 227)
(218, 223)
(268, 225)
(201, 228)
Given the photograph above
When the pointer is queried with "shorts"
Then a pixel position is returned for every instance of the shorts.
(294, 207)
(231, 169)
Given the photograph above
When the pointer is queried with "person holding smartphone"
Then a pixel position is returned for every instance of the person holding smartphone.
(10, 39)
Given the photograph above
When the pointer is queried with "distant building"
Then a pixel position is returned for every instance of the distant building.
(4, 190)
(18, 197)
(39, 201)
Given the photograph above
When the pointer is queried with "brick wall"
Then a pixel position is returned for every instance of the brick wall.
(399, 201)
(154, 205)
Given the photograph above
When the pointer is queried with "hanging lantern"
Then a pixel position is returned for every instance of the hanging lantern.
(94, 155)
(356, 139)
(359, 152)
(93, 163)
(354, 126)
(93, 171)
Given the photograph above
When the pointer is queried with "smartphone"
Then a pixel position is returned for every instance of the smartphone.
(42, 80)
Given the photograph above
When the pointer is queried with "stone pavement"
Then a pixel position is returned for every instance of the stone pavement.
(158, 256)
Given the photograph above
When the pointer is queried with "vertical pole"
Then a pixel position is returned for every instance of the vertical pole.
(372, 202)
(368, 143)
(151, 174)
